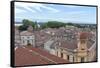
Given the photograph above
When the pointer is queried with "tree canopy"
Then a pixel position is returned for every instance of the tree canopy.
(53, 24)
(49, 24)
(26, 23)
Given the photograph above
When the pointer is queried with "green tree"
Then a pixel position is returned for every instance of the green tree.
(26, 23)
(55, 24)
(44, 25)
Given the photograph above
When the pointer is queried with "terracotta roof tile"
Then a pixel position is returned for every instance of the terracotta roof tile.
(50, 56)
(84, 35)
(24, 56)
(68, 44)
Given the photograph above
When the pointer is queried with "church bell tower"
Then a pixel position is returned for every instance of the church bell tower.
(82, 50)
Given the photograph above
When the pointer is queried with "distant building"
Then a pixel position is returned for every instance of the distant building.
(27, 37)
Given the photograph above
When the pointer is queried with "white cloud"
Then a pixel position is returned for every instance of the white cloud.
(52, 9)
(36, 6)
(23, 5)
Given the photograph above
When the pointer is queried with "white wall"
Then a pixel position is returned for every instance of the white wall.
(5, 34)
(30, 38)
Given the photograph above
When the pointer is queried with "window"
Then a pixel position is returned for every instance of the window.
(22, 37)
(23, 41)
(67, 57)
(82, 59)
(57, 53)
(28, 41)
(61, 55)
(73, 58)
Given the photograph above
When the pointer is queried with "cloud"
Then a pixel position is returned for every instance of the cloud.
(35, 7)
(23, 5)
(44, 12)
(52, 9)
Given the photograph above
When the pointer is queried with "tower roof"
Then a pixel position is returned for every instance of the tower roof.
(84, 35)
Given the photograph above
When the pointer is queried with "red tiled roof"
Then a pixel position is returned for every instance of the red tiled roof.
(72, 44)
(50, 56)
(84, 35)
(41, 37)
(35, 56)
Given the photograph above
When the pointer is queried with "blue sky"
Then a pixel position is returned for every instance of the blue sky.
(51, 12)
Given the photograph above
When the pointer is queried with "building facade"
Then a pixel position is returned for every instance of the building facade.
(28, 37)
(25, 37)
(81, 50)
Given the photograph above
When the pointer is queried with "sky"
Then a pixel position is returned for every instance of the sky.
(53, 12)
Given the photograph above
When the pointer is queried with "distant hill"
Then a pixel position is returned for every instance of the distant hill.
(40, 23)
(18, 22)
